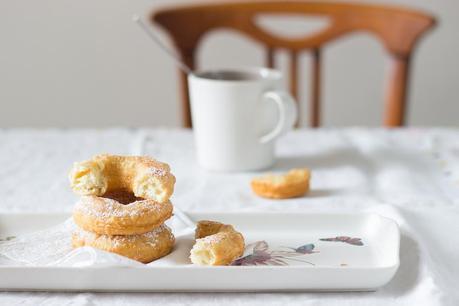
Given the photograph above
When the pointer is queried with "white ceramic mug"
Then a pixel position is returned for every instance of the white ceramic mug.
(237, 115)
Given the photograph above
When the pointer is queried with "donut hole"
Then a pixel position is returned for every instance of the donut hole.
(122, 196)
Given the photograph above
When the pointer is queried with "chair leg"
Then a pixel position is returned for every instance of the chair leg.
(396, 95)
(315, 89)
(185, 97)
(187, 56)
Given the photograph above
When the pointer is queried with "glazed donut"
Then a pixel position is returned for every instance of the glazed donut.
(216, 244)
(108, 216)
(144, 248)
(143, 176)
(293, 184)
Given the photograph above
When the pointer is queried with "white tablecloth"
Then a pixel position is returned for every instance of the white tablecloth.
(410, 175)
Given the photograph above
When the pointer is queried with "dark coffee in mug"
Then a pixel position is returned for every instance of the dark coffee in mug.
(230, 75)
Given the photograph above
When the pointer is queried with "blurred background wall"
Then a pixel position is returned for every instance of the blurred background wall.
(84, 63)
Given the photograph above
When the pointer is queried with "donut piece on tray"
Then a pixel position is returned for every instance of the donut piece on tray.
(216, 244)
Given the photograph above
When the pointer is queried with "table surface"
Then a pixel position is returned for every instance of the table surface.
(410, 175)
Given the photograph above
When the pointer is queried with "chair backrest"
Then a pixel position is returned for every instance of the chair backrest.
(397, 28)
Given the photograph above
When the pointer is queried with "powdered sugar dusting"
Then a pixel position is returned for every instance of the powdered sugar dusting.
(157, 172)
(212, 239)
(151, 238)
(105, 208)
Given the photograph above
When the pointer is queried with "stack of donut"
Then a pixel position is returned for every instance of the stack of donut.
(124, 203)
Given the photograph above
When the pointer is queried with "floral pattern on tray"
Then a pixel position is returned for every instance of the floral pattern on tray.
(259, 253)
(262, 255)
(345, 239)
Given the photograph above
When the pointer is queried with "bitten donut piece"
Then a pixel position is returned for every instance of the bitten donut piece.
(216, 244)
(293, 184)
(110, 217)
(144, 176)
(144, 248)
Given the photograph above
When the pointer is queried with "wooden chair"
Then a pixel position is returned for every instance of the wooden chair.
(397, 28)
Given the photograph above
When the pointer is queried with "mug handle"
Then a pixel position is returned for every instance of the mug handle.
(287, 114)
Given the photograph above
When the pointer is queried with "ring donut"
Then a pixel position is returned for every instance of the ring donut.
(145, 177)
(216, 244)
(109, 216)
(144, 248)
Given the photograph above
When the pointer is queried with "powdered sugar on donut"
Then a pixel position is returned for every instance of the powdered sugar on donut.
(91, 205)
(108, 216)
(118, 240)
(143, 247)
(212, 239)
(157, 172)
(141, 175)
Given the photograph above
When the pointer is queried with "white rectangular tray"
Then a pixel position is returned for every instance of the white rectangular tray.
(294, 252)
